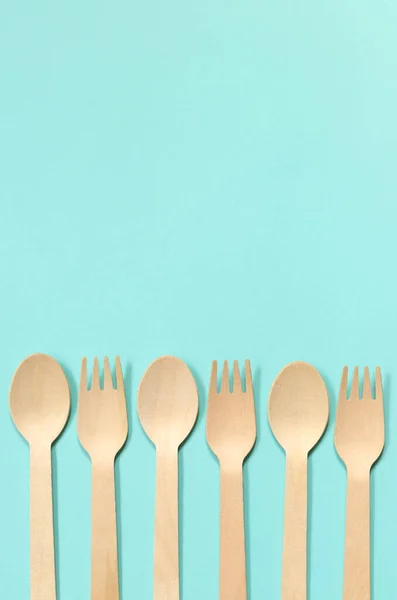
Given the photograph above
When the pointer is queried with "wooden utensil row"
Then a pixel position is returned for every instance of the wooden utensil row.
(167, 408)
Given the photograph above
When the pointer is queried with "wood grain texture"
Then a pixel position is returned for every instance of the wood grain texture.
(166, 538)
(295, 529)
(357, 569)
(40, 405)
(167, 409)
(231, 434)
(42, 560)
(104, 567)
(232, 582)
(359, 440)
(298, 415)
(102, 430)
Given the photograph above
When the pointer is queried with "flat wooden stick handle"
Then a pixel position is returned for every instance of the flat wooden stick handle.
(166, 544)
(233, 583)
(104, 561)
(295, 529)
(42, 563)
(357, 580)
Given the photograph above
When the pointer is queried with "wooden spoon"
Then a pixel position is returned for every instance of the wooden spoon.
(167, 408)
(39, 405)
(298, 415)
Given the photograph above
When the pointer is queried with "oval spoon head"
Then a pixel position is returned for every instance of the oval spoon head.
(39, 399)
(298, 407)
(167, 402)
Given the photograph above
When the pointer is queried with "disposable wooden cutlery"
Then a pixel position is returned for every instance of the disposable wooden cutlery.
(102, 429)
(167, 408)
(231, 434)
(359, 441)
(40, 404)
(298, 415)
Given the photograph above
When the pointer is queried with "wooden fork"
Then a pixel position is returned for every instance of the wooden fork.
(359, 441)
(231, 433)
(102, 430)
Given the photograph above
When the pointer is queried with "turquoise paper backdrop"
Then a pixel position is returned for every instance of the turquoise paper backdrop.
(208, 179)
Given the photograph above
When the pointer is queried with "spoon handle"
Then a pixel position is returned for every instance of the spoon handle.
(104, 562)
(42, 563)
(295, 529)
(357, 581)
(166, 552)
(233, 584)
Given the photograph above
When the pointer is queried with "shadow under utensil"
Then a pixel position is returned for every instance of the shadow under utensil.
(386, 408)
(181, 478)
(342, 464)
(55, 480)
(201, 396)
(127, 378)
(328, 433)
(256, 381)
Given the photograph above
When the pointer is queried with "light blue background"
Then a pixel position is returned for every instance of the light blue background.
(208, 179)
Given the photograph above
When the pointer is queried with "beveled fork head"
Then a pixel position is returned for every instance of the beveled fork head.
(231, 427)
(102, 424)
(360, 428)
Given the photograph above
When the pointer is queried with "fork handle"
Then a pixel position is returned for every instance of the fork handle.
(233, 583)
(166, 544)
(42, 563)
(104, 562)
(357, 580)
(294, 571)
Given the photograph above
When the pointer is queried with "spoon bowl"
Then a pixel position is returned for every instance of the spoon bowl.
(298, 407)
(39, 399)
(167, 408)
(167, 402)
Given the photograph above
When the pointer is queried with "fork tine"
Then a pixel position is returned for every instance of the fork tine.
(107, 375)
(95, 383)
(119, 376)
(83, 376)
(225, 378)
(343, 385)
(378, 390)
(367, 392)
(213, 388)
(236, 378)
(248, 378)
(355, 391)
